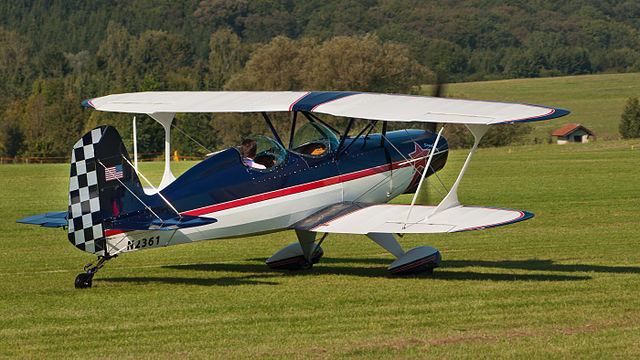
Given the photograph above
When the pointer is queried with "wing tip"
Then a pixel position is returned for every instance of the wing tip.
(88, 103)
(552, 114)
(524, 215)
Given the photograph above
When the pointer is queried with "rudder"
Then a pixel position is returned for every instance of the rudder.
(101, 186)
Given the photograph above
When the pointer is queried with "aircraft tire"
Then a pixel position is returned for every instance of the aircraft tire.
(83, 281)
(305, 265)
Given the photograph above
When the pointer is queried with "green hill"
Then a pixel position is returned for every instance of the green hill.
(595, 101)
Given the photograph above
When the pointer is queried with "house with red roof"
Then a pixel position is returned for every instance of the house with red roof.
(573, 133)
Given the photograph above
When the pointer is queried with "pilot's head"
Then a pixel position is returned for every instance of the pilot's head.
(248, 148)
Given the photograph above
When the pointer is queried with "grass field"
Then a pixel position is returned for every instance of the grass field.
(564, 284)
(595, 101)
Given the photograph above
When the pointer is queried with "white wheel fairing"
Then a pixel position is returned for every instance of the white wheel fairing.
(415, 260)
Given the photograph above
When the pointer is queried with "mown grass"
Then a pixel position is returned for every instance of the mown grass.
(595, 101)
(564, 284)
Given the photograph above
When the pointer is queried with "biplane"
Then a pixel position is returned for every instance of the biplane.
(320, 180)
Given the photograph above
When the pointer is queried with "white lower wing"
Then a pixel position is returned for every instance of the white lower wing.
(392, 218)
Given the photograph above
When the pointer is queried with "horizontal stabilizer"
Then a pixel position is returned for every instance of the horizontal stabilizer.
(145, 222)
(52, 219)
(392, 218)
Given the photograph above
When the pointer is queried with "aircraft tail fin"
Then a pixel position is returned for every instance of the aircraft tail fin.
(102, 185)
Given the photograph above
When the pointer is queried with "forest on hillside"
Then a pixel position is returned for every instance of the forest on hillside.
(54, 54)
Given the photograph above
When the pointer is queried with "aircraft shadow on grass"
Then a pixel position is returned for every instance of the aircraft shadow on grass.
(542, 265)
(256, 273)
(218, 281)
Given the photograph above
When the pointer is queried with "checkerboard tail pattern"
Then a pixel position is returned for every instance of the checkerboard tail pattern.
(85, 218)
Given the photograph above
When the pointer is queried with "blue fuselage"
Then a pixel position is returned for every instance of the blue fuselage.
(224, 181)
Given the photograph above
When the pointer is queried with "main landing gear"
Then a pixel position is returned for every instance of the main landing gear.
(421, 259)
(305, 253)
(83, 280)
(300, 255)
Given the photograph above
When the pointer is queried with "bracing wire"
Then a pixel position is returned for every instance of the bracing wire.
(434, 173)
(415, 167)
(154, 188)
(134, 195)
(190, 138)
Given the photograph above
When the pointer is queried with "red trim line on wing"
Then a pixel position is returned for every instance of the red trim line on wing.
(496, 224)
(533, 117)
(300, 98)
(294, 189)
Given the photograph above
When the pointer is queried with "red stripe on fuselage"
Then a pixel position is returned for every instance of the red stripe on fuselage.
(111, 232)
(294, 189)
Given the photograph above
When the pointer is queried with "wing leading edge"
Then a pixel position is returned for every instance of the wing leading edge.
(372, 106)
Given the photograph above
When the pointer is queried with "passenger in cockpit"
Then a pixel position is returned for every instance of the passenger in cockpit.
(248, 151)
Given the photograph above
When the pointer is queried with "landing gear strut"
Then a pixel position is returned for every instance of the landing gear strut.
(83, 280)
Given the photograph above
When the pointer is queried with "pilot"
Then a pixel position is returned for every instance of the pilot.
(248, 151)
(318, 150)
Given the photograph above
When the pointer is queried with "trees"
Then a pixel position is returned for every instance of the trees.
(630, 119)
(368, 45)
(156, 53)
(16, 66)
(11, 133)
(359, 63)
(274, 66)
(227, 56)
(221, 12)
(51, 119)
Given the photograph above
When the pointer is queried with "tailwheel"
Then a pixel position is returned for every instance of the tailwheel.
(84, 280)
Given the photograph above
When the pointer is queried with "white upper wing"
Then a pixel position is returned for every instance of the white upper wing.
(430, 109)
(387, 107)
(150, 102)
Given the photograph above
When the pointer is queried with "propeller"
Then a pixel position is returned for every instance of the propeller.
(436, 91)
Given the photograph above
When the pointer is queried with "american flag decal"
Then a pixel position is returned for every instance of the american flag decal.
(113, 173)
